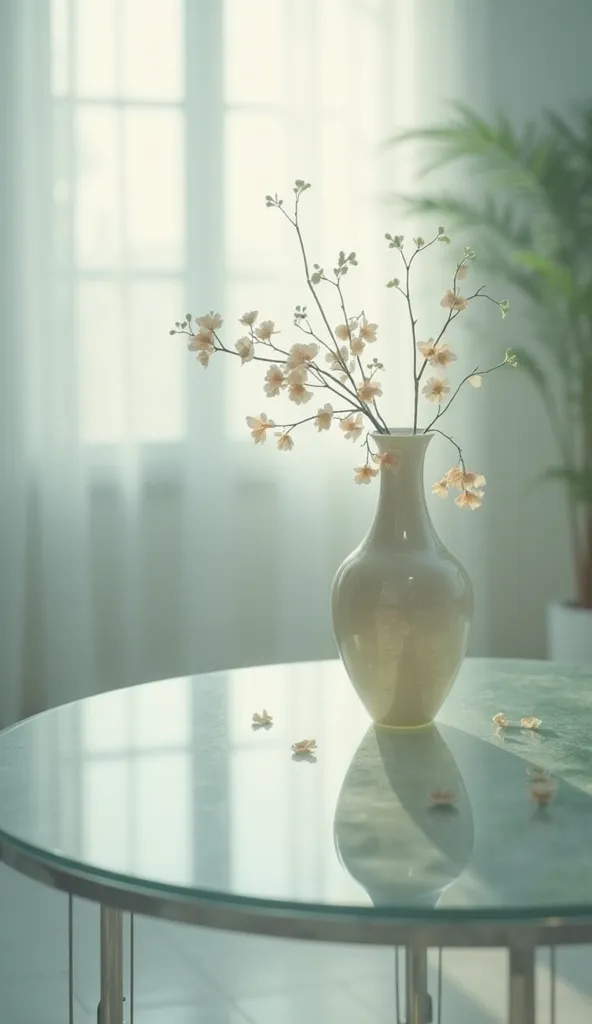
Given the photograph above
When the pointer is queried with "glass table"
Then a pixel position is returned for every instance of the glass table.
(166, 800)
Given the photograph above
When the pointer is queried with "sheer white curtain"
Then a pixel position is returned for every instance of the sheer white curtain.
(142, 534)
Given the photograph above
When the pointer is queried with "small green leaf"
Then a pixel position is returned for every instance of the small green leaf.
(533, 368)
(578, 482)
(444, 238)
(556, 275)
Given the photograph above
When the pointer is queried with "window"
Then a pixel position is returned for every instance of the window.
(306, 98)
(120, 127)
(303, 88)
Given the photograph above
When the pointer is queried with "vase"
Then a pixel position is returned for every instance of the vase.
(401, 602)
(400, 848)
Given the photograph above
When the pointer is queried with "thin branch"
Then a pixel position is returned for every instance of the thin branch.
(296, 226)
(381, 417)
(422, 248)
(346, 321)
(290, 426)
(452, 314)
(413, 338)
(311, 288)
(457, 446)
(311, 334)
(481, 373)
(337, 355)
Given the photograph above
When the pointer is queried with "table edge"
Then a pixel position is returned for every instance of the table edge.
(348, 925)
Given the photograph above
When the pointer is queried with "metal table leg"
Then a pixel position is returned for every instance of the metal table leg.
(70, 959)
(522, 999)
(419, 1009)
(111, 1005)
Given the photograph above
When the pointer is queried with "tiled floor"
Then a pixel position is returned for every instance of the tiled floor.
(188, 976)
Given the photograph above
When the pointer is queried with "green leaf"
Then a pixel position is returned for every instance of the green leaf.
(531, 366)
(577, 481)
(557, 276)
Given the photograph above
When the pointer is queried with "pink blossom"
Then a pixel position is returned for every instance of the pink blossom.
(259, 427)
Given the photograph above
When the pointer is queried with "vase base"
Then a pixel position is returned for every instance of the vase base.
(405, 728)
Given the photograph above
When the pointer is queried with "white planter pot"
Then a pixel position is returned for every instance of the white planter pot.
(569, 633)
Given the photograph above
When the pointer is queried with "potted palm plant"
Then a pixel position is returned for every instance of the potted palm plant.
(535, 209)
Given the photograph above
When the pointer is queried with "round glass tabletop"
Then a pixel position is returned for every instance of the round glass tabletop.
(170, 789)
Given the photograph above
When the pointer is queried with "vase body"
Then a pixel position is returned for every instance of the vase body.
(401, 602)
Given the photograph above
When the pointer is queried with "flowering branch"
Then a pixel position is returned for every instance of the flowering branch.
(461, 460)
(300, 187)
(294, 369)
(474, 377)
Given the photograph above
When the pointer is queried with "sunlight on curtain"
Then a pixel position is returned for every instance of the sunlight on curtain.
(151, 537)
(165, 163)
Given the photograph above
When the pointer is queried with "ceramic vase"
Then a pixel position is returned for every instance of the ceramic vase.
(401, 602)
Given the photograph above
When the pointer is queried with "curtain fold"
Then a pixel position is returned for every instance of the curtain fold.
(43, 593)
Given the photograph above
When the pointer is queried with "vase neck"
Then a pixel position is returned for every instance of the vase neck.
(402, 516)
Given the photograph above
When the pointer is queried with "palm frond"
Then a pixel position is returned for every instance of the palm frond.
(486, 213)
(577, 481)
(529, 167)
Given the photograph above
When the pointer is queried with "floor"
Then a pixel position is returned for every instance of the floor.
(190, 976)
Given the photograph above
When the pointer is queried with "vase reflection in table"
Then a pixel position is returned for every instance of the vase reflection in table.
(403, 850)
